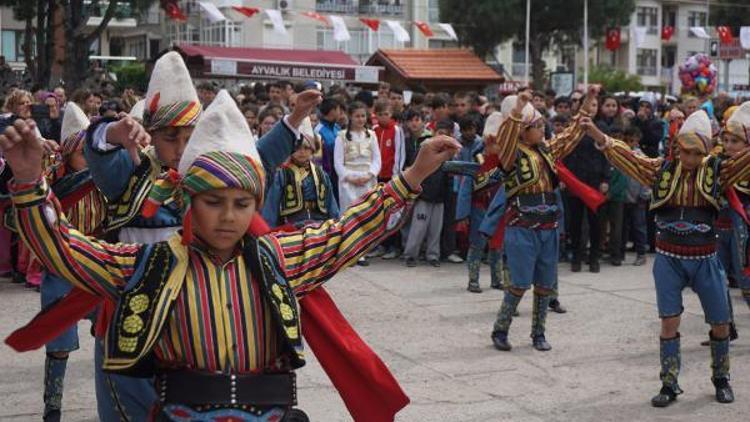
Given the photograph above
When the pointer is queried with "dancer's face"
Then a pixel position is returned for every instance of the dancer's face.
(221, 218)
(170, 143)
(690, 158)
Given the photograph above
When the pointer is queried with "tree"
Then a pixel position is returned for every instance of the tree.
(614, 80)
(41, 18)
(733, 16)
(483, 24)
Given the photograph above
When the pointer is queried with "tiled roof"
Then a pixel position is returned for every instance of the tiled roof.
(454, 64)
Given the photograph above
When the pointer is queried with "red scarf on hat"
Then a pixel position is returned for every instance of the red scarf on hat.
(368, 388)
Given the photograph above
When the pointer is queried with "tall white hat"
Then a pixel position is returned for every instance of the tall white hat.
(171, 100)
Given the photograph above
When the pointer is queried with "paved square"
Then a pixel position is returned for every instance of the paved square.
(435, 337)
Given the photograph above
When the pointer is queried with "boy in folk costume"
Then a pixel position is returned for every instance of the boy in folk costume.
(300, 191)
(212, 306)
(531, 233)
(686, 194)
(125, 174)
(733, 218)
(84, 207)
(474, 197)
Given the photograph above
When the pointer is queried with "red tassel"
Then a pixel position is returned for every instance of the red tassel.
(187, 227)
(258, 226)
(736, 204)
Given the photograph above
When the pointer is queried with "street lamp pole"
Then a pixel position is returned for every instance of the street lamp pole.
(528, 32)
(585, 42)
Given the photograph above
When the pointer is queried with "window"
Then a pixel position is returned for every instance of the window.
(646, 62)
(647, 17)
(12, 42)
(696, 19)
(518, 67)
(363, 42)
(434, 11)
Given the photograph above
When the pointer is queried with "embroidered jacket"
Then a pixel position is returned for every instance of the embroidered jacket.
(675, 187)
(296, 191)
(180, 308)
(532, 170)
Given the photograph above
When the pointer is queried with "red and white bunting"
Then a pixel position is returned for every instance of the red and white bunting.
(424, 28)
(247, 11)
(317, 16)
(373, 24)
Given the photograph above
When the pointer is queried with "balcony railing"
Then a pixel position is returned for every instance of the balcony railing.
(667, 74)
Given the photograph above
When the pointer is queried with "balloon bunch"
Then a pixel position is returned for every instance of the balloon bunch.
(698, 75)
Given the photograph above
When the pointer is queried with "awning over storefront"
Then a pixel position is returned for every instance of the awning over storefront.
(435, 69)
(267, 63)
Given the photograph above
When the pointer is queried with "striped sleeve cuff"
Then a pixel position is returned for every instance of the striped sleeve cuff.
(29, 194)
(400, 190)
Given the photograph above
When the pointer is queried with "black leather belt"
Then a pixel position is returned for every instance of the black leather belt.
(192, 388)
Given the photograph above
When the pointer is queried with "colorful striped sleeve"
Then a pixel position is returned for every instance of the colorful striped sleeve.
(315, 254)
(641, 168)
(563, 144)
(507, 140)
(95, 266)
(736, 169)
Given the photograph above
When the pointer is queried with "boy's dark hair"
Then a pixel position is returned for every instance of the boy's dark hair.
(411, 113)
(632, 131)
(551, 93)
(539, 94)
(561, 118)
(467, 122)
(562, 100)
(207, 86)
(445, 124)
(617, 131)
(365, 97)
(382, 105)
(439, 100)
(274, 85)
(397, 90)
(328, 105)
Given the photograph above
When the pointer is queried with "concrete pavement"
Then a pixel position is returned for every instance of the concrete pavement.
(435, 337)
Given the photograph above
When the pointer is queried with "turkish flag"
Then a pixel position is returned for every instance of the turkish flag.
(725, 34)
(247, 11)
(316, 16)
(667, 32)
(613, 39)
(424, 28)
(373, 24)
(172, 10)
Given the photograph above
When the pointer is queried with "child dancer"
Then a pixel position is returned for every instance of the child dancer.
(212, 312)
(686, 194)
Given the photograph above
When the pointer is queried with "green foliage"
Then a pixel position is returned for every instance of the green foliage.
(133, 75)
(614, 80)
(483, 24)
(734, 16)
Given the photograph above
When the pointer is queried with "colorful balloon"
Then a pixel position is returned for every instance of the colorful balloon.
(698, 75)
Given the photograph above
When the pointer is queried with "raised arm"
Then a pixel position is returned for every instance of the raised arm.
(276, 146)
(641, 168)
(315, 254)
(563, 144)
(97, 267)
(736, 169)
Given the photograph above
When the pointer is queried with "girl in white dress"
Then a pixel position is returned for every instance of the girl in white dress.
(356, 158)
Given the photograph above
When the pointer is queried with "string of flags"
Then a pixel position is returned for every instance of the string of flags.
(337, 22)
(725, 33)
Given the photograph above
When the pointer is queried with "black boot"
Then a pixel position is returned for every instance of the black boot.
(557, 307)
(538, 322)
(54, 376)
(720, 369)
(669, 353)
(724, 393)
(665, 397)
(500, 341)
